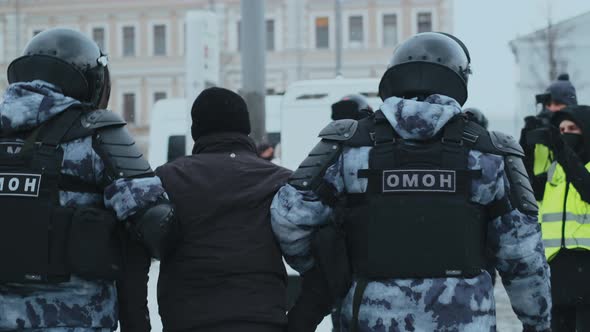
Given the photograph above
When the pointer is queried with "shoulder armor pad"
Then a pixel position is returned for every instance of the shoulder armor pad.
(101, 118)
(340, 130)
(493, 142)
(363, 134)
(506, 144)
(309, 175)
(91, 121)
(119, 153)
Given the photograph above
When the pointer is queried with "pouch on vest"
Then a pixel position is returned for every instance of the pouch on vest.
(95, 244)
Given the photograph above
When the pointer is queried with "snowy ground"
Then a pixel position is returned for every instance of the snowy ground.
(507, 321)
(505, 317)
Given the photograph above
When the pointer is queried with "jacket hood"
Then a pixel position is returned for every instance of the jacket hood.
(420, 120)
(29, 104)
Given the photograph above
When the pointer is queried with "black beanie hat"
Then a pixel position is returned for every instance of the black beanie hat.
(560, 91)
(219, 110)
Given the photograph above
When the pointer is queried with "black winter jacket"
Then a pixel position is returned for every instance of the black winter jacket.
(228, 265)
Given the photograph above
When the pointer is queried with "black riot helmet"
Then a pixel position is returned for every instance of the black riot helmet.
(428, 63)
(353, 106)
(67, 59)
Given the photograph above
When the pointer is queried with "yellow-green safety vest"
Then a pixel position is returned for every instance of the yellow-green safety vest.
(542, 162)
(543, 159)
(570, 229)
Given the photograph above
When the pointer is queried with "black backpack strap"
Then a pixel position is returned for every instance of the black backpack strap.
(384, 132)
(357, 299)
(453, 131)
(56, 129)
(454, 154)
(50, 133)
(48, 153)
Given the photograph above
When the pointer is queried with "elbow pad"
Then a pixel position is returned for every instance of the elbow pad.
(156, 228)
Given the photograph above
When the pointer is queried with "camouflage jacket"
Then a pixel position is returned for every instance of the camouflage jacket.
(78, 303)
(442, 304)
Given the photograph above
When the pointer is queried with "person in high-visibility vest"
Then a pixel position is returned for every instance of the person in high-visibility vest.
(558, 95)
(565, 218)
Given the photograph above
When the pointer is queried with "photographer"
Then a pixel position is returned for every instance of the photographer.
(564, 214)
(559, 95)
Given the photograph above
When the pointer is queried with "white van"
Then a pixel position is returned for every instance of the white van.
(306, 110)
(168, 130)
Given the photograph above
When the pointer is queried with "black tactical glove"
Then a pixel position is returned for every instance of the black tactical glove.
(532, 122)
(313, 304)
(549, 136)
(157, 229)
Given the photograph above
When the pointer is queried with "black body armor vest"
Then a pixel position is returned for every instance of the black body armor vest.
(416, 218)
(41, 241)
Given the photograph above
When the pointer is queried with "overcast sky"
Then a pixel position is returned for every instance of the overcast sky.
(486, 27)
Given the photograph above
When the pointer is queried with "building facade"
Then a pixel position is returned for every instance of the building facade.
(145, 41)
(542, 55)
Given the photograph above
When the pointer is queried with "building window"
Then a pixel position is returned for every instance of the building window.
(424, 22)
(129, 107)
(355, 30)
(98, 36)
(159, 95)
(270, 35)
(390, 30)
(159, 39)
(322, 32)
(128, 41)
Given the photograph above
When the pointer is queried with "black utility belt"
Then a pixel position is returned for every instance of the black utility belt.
(86, 242)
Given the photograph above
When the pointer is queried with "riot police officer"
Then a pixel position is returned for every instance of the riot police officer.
(417, 195)
(74, 191)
